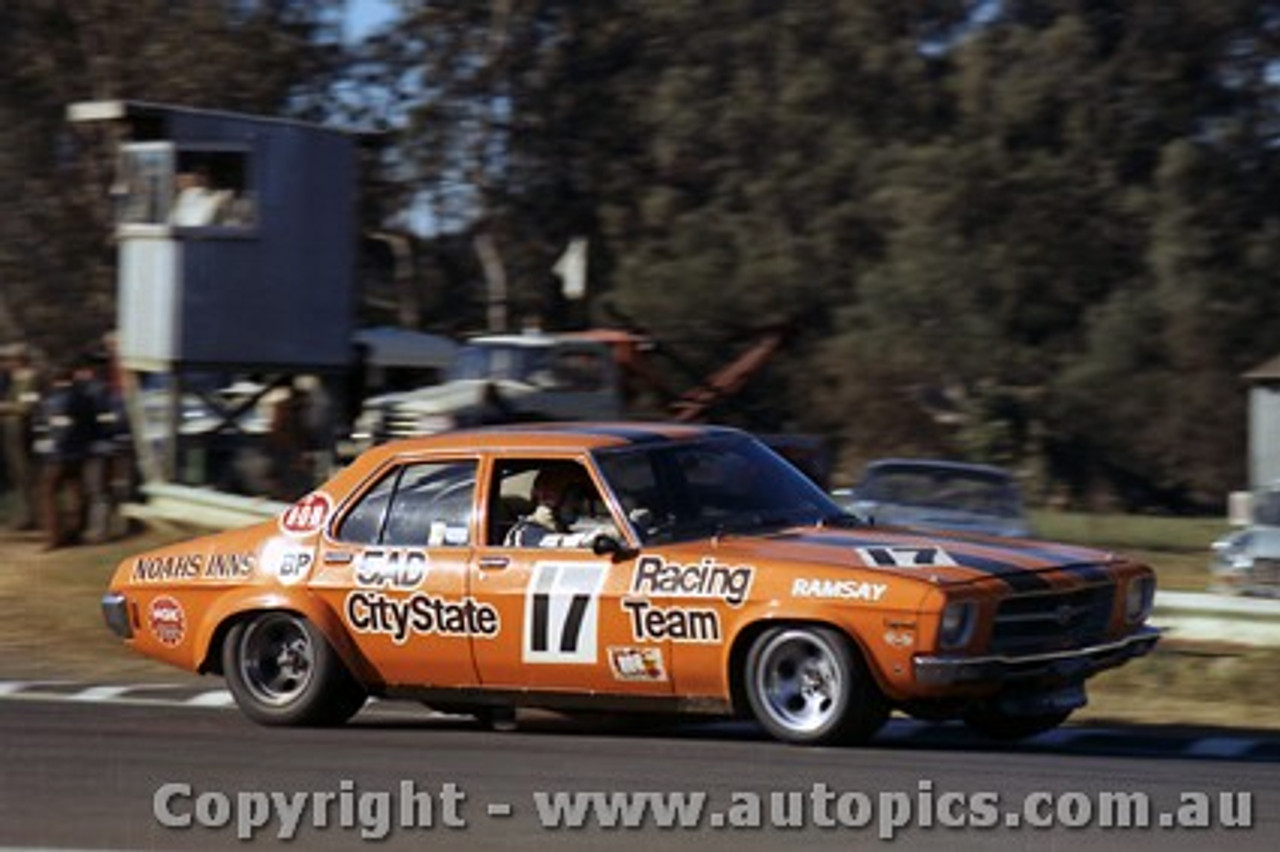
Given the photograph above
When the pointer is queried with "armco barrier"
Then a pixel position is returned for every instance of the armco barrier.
(203, 506)
(1185, 616)
(1202, 617)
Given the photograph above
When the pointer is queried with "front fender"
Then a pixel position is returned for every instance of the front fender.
(886, 638)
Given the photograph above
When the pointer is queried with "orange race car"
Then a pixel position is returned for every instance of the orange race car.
(628, 567)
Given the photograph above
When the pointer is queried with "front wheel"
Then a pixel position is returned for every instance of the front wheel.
(809, 685)
(282, 671)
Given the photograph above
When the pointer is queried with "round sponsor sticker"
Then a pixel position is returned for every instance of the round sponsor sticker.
(167, 620)
(308, 515)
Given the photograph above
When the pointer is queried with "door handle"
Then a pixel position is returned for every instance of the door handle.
(492, 563)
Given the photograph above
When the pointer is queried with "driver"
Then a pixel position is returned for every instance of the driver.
(560, 494)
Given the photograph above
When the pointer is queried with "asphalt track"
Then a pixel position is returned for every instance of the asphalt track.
(82, 774)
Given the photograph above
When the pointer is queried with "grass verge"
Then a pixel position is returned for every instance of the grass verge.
(1186, 684)
(52, 626)
(1177, 548)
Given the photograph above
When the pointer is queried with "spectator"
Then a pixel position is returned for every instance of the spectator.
(17, 413)
(110, 465)
(286, 443)
(196, 202)
(65, 428)
(319, 426)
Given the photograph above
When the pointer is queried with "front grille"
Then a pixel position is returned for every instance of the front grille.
(401, 424)
(1052, 621)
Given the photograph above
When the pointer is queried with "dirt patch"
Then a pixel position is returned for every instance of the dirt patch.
(51, 625)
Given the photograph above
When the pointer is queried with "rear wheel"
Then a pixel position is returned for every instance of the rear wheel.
(282, 671)
(809, 685)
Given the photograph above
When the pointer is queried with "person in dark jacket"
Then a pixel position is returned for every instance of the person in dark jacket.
(17, 414)
(66, 431)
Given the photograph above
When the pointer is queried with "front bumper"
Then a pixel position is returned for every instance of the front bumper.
(1058, 666)
(115, 609)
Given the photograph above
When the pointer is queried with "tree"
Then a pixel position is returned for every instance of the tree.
(508, 128)
(1072, 263)
(1028, 231)
(766, 126)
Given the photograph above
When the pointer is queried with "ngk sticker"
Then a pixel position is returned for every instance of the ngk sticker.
(167, 620)
(308, 515)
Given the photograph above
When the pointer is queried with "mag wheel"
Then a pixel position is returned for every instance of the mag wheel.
(809, 685)
(282, 671)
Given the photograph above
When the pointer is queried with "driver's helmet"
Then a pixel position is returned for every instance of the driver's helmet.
(562, 488)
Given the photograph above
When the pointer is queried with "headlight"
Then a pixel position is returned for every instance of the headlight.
(958, 621)
(1138, 598)
(1232, 553)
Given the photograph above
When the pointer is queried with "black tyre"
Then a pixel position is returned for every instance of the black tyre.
(809, 685)
(1008, 728)
(282, 671)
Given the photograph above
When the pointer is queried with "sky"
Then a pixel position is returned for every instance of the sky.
(364, 16)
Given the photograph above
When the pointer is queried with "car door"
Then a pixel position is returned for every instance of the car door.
(394, 566)
(564, 625)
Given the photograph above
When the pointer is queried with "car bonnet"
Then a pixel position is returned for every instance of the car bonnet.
(939, 558)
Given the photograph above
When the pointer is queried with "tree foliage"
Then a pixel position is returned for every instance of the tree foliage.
(1038, 232)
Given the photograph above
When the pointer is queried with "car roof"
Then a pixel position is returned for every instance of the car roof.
(938, 464)
(557, 436)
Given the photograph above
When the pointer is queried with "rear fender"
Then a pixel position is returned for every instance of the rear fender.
(228, 609)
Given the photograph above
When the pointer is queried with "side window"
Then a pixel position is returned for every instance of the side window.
(432, 506)
(198, 187)
(511, 497)
(211, 189)
(570, 501)
(363, 524)
(423, 505)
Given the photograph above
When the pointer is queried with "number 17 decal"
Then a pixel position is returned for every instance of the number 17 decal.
(562, 613)
(905, 556)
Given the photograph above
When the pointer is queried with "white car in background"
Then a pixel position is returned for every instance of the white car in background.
(1247, 561)
(939, 495)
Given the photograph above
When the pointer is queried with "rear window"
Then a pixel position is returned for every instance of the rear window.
(415, 505)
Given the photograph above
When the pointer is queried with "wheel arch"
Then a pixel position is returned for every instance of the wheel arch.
(750, 632)
(231, 611)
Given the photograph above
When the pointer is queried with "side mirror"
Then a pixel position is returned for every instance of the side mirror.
(607, 545)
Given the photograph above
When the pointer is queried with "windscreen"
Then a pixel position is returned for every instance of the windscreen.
(722, 485)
